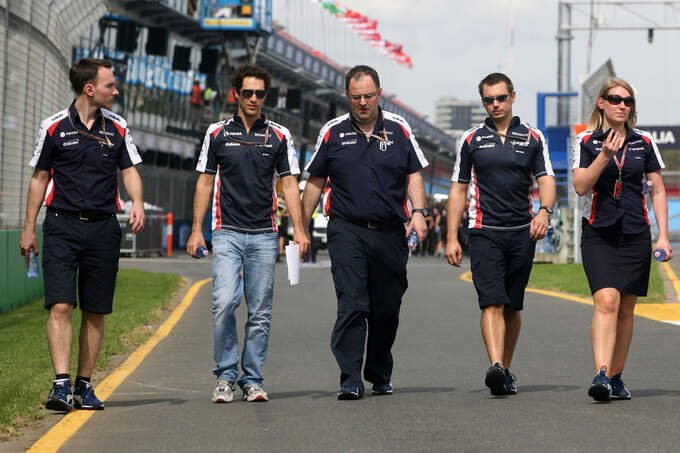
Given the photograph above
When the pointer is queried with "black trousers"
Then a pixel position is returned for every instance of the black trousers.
(369, 272)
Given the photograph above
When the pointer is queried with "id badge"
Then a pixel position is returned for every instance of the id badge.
(617, 189)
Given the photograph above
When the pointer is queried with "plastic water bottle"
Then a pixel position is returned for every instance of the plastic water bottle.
(412, 239)
(659, 254)
(202, 252)
(647, 187)
(33, 271)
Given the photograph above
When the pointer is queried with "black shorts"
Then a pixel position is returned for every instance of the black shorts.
(86, 249)
(615, 260)
(501, 263)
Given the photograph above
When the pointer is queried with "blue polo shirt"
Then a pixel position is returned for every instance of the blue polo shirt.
(366, 178)
(642, 156)
(83, 170)
(499, 174)
(246, 165)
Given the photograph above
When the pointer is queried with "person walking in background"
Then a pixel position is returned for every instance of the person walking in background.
(372, 162)
(239, 161)
(612, 160)
(495, 163)
(77, 157)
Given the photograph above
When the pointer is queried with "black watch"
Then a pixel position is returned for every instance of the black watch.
(425, 212)
(547, 208)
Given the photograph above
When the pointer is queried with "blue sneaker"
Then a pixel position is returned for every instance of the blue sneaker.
(495, 379)
(385, 389)
(61, 398)
(619, 390)
(510, 386)
(84, 397)
(601, 389)
(349, 393)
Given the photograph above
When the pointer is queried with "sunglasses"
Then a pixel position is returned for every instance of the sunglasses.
(357, 97)
(615, 99)
(247, 94)
(490, 99)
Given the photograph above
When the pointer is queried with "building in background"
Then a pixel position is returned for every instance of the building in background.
(455, 116)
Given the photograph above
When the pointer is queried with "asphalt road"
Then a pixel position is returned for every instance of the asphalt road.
(439, 404)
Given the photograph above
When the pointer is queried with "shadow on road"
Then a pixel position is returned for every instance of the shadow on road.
(327, 394)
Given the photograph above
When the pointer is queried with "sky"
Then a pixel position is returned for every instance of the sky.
(455, 43)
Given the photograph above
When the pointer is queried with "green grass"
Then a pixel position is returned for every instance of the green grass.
(26, 370)
(570, 278)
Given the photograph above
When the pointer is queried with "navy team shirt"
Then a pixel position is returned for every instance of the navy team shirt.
(246, 165)
(601, 209)
(499, 174)
(366, 178)
(84, 171)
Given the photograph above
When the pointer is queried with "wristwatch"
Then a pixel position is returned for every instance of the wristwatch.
(547, 208)
(425, 212)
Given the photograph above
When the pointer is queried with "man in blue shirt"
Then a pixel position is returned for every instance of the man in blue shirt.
(367, 163)
(494, 167)
(77, 157)
(239, 162)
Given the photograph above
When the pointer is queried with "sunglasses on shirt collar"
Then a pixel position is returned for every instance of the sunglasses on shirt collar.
(615, 99)
(490, 99)
(247, 94)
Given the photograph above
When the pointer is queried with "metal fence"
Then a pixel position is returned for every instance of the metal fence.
(36, 39)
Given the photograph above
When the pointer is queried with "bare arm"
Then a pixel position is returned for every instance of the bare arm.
(204, 186)
(660, 205)
(415, 189)
(133, 186)
(292, 196)
(454, 209)
(36, 195)
(310, 198)
(546, 195)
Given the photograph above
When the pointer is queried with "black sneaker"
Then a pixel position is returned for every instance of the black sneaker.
(61, 398)
(349, 393)
(601, 388)
(385, 389)
(495, 379)
(510, 383)
(619, 390)
(84, 397)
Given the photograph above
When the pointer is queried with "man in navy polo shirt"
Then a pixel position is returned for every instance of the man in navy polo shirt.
(494, 166)
(239, 161)
(76, 161)
(367, 163)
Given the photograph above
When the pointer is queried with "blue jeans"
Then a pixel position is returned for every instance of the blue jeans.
(256, 254)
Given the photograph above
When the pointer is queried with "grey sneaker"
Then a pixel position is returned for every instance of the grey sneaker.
(224, 391)
(254, 393)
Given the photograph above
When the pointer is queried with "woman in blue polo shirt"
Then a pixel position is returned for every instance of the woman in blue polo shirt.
(612, 163)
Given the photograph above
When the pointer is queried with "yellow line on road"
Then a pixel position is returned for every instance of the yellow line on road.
(657, 312)
(62, 431)
(673, 278)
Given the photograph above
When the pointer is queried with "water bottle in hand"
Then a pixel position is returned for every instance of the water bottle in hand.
(202, 252)
(647, 187)
(33, 271)
(412, 239)
(659, 254)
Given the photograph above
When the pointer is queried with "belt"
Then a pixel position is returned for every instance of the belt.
(86, 216)
(371, 225)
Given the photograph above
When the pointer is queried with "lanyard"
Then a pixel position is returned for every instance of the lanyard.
(359, 131)
(240, 142)
(107, 142)
(494, 131)
(623, 158)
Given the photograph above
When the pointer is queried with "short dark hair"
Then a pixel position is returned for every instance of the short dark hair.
(493, 79)
(360, 70)
(85, 71)
(250, 70)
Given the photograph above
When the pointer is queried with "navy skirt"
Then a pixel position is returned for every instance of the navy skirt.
(615, 260)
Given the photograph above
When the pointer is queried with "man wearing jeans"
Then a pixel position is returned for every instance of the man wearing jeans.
(246, 153)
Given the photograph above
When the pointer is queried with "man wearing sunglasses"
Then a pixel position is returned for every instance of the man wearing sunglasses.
(496, 164)
(240, 160)
(367, 163)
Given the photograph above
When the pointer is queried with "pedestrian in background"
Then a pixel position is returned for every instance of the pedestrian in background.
(77, 157)
(372, 163)
(612, 160)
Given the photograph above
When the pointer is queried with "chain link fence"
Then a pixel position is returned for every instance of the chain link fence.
(36, 41)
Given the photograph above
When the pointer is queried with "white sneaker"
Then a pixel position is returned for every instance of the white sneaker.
(255, 393)
(224, 391)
